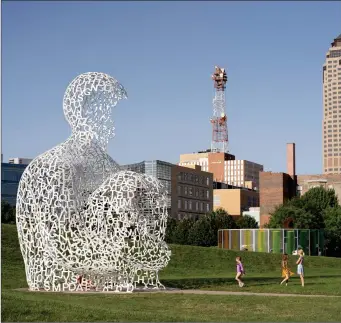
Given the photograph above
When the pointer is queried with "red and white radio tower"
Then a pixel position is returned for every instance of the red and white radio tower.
(219, 141)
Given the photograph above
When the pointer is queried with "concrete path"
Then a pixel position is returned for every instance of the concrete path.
(189, 291)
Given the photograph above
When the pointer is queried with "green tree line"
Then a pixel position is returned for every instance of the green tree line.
(204, 231)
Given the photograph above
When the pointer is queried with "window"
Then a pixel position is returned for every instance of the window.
(190, 191)
(186, 190)
(207, 181)
(179, 204)
(190, 205)
(179, 190)
(207, 194)
(185, 205)
(207, 207)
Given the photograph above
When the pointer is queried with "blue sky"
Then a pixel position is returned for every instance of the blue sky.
(164, 53)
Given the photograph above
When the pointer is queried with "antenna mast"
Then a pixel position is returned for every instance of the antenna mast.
(219, 141)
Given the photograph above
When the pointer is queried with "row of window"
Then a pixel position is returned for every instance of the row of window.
(334, 62)
(193, 205)
(194, 192)
(335, 53)
(332, 154)
(193, 178)
(182, 216)
(332, 169)
(252, 201)
(333, 116)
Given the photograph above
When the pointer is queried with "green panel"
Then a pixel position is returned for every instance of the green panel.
(248, 239)
(276, 241)
(290, 242)
(235, 240)
(261, 241)
(303, 240)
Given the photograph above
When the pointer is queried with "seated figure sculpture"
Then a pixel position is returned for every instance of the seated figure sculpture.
(79, 215)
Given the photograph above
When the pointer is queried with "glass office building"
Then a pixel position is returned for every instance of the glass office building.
(10, 177)
(156, 168)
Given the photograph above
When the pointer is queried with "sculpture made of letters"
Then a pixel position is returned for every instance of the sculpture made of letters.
(79, 217)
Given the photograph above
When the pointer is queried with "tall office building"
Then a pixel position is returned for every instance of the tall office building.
(332, 109)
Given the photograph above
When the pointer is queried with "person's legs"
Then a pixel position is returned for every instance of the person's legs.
(285, 280)
(301, 273)
(238, 279)
(302, 279)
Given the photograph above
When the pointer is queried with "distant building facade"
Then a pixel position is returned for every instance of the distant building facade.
(225, 168)
(274, 190)
(328, 181)
(332, 109)
(10, 177)
(156, 168)
(235, 200)
(192, 192)
(19, 161)
(277, 188)
(189, 189)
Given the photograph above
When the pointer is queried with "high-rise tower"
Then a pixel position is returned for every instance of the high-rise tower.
(219, 141)
(332, 109)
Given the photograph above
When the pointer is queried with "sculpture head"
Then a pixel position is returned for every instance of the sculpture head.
(88, 103)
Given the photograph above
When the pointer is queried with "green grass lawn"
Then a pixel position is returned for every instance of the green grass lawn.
(190, 267)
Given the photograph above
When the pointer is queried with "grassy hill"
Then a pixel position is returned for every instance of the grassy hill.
(189, 267)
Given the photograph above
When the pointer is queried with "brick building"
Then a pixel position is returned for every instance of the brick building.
(277, 188)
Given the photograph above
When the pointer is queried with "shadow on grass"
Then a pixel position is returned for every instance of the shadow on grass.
(197, 283)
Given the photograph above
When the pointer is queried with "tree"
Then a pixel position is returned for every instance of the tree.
(7, 212)
(201, 233)
(332, 218)
(220, 219)
(318, 199)
(287, 215)
(246, 222)
(171, 227)
(180, 234)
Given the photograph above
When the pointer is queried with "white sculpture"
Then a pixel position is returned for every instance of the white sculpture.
(82, 222)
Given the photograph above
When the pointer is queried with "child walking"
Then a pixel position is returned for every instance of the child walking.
(286, 272)
(240, 271)
(299, 263)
